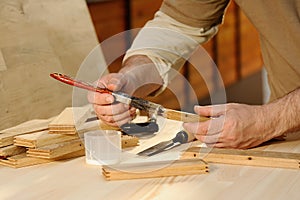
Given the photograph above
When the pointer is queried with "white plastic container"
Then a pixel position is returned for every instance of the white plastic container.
(102, 147)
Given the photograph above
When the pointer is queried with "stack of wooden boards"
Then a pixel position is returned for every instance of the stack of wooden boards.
(66, 121)
(41, 141)
(154, 169)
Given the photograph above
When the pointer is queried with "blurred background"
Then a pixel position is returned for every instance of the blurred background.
(235, 50)
(42, 37)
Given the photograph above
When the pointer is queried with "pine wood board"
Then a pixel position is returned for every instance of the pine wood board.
(56, 150)
(22, 160)
(68, 119)
(244, 157)
(7, 135)
(43, 138)
(11, 150)
(60, 149)
(154, 170)
(64, 132)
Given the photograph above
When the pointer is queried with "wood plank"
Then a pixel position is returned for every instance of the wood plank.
(244, 157)
(7, 135)
(11, 150)
(56, 150)
(68, 119)
(22, 160)
(154, 170)
(43, 138)
(59, 149)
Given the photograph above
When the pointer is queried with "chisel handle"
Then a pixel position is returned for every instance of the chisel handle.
(183, 116)
(183, 137)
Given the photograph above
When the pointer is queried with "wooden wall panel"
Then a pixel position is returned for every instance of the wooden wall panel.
(224, 49)
(142, 11)
(38, 38)
(108, 18)
(251, 60)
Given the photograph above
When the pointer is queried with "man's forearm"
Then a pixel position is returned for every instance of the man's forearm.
(283, 114)
(144, 77)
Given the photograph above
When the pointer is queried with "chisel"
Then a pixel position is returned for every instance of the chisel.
(139, 103)
(181, 137)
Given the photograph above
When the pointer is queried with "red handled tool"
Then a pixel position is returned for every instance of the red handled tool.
(152, 108)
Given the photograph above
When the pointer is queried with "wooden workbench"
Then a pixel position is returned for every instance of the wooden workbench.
(74, 179)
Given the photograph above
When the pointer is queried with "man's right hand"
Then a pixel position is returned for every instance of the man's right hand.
(107, 110)
(138, 77)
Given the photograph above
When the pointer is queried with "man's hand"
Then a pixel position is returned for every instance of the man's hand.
(110, 112)
(139, 77)
(233, 126)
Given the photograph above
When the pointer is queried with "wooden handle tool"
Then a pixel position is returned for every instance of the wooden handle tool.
(139, 103)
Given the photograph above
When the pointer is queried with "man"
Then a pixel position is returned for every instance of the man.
(178, 27)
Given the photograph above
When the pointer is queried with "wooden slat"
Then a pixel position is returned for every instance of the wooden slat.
(68, 119)
(11, 150)
(39, 139)
(59, 149)
(22, 160)
(154, 170)
(245, 157)
(7, 135)
(56, 150)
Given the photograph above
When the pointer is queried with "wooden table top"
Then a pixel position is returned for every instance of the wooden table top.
(74, 179)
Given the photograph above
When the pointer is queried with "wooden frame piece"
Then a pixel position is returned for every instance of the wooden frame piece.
(22, 160)
(7, 135)
(39, 139)
(244, 157)
(154, 170)
(11, 150)
(65, 122)
(56, 150)
(59, 149)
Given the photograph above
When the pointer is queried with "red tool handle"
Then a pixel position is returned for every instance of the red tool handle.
(84, 85)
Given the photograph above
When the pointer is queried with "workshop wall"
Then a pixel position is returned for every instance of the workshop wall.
(38, 38)
(235, 49)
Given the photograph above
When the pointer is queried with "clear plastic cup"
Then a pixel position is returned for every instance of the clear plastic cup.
(102, 147)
